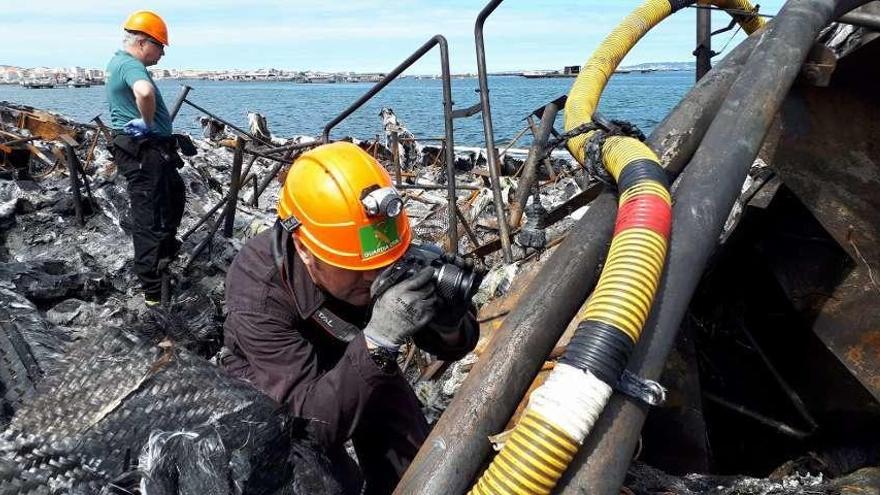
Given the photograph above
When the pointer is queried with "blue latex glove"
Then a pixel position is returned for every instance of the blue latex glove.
(136, 128)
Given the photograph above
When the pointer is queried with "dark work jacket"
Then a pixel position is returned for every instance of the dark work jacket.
(275, 340)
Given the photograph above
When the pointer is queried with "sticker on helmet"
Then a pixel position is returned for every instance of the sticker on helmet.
(379, 237)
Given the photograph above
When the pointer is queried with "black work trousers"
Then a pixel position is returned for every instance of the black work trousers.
(156, 194)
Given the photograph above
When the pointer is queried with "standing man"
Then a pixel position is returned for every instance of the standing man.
(305, 323)
(145, 151)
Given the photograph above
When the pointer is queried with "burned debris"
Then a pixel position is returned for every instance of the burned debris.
(768, 357)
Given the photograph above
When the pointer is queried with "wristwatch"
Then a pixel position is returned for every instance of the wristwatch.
(385, 359)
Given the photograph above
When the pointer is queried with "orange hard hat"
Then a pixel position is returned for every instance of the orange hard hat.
(341, 204)
(149, 23)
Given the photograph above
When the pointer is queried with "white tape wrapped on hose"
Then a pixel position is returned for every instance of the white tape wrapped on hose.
(571, 400)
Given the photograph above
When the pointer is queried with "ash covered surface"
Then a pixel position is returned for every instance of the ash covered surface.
(86, 391)
(67, 290)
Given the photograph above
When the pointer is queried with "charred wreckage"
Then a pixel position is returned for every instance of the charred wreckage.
(695, 311)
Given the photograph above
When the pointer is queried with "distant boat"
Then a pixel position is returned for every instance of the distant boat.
(568, 71)
(38, 84)
(78, 83)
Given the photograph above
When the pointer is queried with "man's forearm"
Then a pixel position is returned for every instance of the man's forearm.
(146, 105)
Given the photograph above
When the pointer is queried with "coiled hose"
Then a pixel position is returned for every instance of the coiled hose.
(563, 410)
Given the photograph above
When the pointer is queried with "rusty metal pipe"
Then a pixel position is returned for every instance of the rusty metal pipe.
(529, 171)
(706, 192)
(491, 157)
(451, 456)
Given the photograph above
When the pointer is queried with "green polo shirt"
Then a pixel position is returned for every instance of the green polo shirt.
(122, 72)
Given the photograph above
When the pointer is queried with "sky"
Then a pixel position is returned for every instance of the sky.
(333, 35)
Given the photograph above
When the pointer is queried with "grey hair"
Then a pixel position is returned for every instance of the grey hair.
(130, 38)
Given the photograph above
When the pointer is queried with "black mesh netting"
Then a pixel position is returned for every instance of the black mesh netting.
(123, 415)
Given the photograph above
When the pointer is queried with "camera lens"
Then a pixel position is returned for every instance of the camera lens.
(453, 283)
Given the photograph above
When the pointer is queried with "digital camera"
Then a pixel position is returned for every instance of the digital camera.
(454, 284)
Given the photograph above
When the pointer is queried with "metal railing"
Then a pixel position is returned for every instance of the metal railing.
(448, 116)
(491, 157)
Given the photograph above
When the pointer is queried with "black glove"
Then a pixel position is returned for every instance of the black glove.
(402, 310)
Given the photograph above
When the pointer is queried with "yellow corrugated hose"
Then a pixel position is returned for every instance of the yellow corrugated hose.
(562, 411)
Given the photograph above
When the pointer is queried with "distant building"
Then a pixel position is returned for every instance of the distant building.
(76, 73)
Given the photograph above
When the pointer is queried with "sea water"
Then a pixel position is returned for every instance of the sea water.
(304, 109)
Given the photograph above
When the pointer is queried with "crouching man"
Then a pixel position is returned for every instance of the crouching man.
(319, 306)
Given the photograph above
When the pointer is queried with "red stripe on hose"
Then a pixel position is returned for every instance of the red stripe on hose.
(646, 211)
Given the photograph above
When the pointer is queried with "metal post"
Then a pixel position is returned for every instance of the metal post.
(255, 200)
(181, 97)
(449, 147)
(395, 158)
(491, 157)
(103, 128)
(703, 52)
(529, 174)
(234, 183)
(74, 183)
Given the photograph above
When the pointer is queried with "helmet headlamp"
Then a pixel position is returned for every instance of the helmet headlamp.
(382, 201)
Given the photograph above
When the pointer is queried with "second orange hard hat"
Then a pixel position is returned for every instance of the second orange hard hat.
(149, 23)
(340, 203)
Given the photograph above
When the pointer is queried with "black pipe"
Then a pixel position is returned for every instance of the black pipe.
(391, 76)
(428, 187)
(246, 172)
(234, 185)
(861, 19)
(705, 194)
(269, 177)
(277, 168)
(74, 183)
(208, 238)
(491, 157)
(258, 154)
(255, 201)
(292, 147)
(184, 90)
(204, 218)
(451, 456)
(703, 52)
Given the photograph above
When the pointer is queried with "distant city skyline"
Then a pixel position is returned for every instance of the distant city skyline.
(364, 36)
